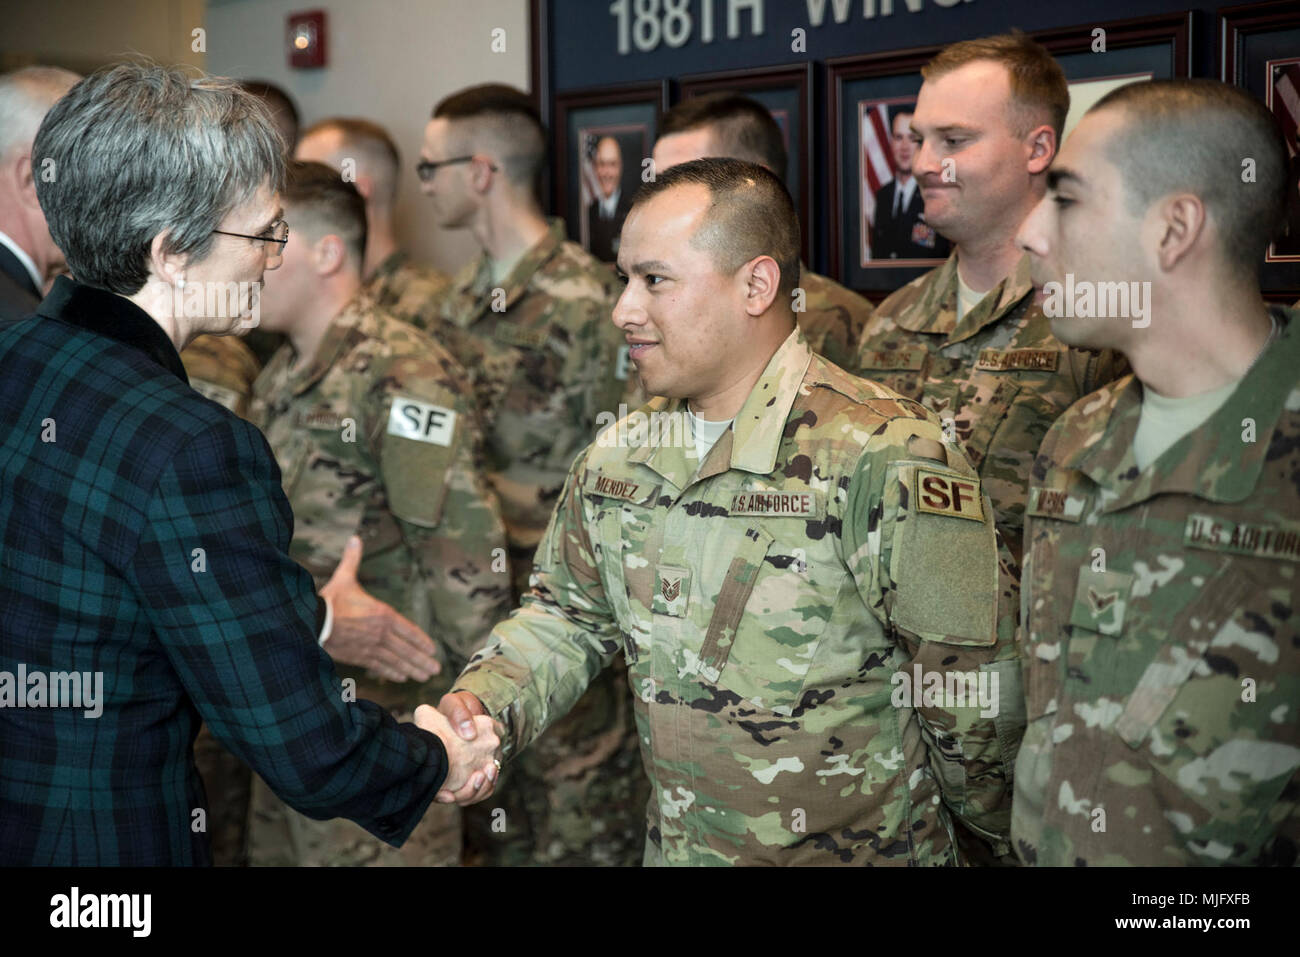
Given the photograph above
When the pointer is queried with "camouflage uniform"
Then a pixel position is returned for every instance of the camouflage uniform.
(378, 436)
(997, 379)
(833, 318)
(406, 289)
(764, 599)
(542, 352)
(222, 368)
(1161, 652)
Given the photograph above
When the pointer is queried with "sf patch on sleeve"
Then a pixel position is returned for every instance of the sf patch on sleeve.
(943, 493)
(418, 449)
(422, 421)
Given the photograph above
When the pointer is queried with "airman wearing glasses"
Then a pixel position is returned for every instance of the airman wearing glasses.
(530, 320)
(397, 281)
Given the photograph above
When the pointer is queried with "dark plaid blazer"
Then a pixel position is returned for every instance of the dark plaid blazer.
(144, 535)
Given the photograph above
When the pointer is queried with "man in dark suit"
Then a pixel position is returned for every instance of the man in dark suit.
(19, 293)
(144, 575)
(28, 256)
(605, 213)
(900, 230)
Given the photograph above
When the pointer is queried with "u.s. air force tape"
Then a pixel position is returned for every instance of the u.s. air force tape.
(421, 421)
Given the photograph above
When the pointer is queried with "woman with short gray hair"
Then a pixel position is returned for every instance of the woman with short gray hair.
(144, 571)
(151, 179)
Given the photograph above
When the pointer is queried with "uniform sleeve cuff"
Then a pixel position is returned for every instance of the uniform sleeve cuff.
(499, 697)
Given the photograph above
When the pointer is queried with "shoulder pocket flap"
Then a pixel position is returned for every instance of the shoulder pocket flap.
(944, 573)
(418, 448)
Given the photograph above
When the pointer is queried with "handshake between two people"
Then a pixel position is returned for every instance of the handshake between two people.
(472, 740)
(371, 634)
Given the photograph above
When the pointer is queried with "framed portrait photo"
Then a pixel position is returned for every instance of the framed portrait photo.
(1259, 47)
(880, 239)
(786, 91)
(602, 145)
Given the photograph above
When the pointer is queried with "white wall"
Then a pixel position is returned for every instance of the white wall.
(389, 61)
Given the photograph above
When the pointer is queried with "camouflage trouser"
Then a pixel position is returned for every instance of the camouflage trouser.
(279, 836)
(577, 796)
(974, 851)
(227, 781)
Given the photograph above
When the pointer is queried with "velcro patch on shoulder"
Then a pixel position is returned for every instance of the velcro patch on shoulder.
(776, 503)
(910, 359)
(948, 493)
(621, 487)
(1000, 360)
(421, 421)
(515, 336)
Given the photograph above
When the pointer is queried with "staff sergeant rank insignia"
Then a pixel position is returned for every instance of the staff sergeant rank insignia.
(941, 493)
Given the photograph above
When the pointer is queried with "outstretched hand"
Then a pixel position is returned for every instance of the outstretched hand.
(370, 633)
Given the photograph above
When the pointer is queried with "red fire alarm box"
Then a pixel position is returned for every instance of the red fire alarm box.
(306, 39)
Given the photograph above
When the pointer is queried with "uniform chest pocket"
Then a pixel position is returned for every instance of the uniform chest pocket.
(523, 396)
(611, 548)
(769, 618)
(315, 454)
(1214, 738)
(1218, 756)
(619, 511)
(975, 407)
(531, 363)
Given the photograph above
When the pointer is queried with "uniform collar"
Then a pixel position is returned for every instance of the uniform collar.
(474, 287)
(343, 331)
(935, 310)
(391, 264)
(754, 439)
(108, 314)
(1213, 461)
